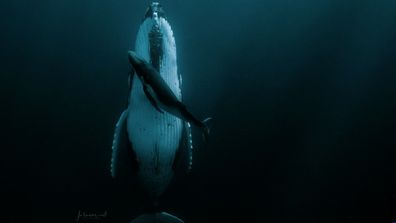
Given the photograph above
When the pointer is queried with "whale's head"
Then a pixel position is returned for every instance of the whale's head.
(155, 11)
(134, 59)
(155, 21)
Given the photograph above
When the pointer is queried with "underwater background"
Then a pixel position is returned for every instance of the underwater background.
(303, 96)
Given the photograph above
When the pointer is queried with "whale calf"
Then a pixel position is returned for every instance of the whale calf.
(160, 94)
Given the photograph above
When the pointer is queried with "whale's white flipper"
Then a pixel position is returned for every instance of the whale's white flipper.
(116, 146)
(123, 158)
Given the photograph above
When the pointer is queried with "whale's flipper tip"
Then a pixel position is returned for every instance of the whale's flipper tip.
(207, 120)
(206, 129)
(161, 217)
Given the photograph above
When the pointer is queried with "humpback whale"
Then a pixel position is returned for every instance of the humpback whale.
(152, 147)
(159, 93)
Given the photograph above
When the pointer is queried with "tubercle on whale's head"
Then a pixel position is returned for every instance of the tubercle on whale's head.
(155, 11)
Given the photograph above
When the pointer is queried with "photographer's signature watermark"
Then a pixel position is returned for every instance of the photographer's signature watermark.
(83, 215)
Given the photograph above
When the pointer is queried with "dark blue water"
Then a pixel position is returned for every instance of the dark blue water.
(302, 94)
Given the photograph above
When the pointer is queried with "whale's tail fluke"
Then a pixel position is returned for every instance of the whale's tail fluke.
(158, 217)
(206, 129)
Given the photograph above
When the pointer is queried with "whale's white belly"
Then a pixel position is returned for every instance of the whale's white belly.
(155, 136)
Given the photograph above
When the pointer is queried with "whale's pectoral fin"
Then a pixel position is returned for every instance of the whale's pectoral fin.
(182, 163)
(123, 160)
(131, 73)
(130, 79)
(149, 94)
